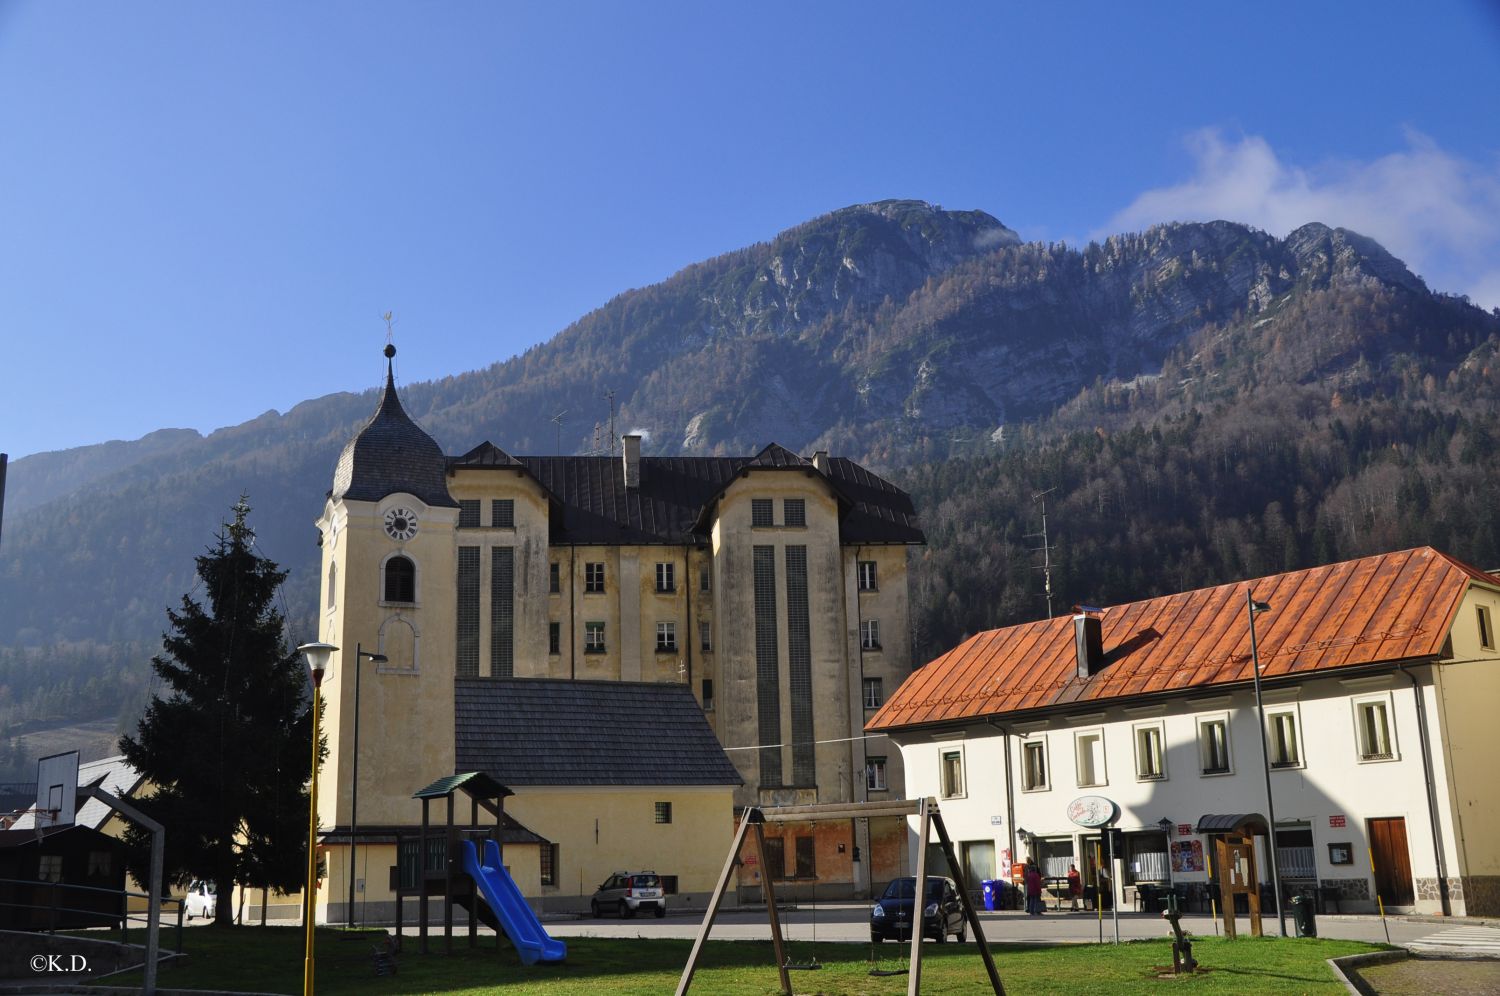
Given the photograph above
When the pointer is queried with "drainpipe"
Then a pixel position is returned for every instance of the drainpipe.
(691, 631)
(1010, 801)
(1432, 814)
(572, 611)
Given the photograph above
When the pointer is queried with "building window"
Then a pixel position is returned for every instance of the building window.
(554, 638)
(1090, 750)
(869, 634)
(49, 868)
(706, 636)
(952, 771)
(467, 656)
(400, 580)
(1033, 765)
(775, 857)
(549, 864)
(867, 580)
(593, 638)
(666, 637)
(554, 577)
(1373, 726)
(1284, 749)
(1486, 632)
(666, 578)
(767, 666)
(503, 513)
(1149, 757)
(1213, 746)
(874, 693)
(799, 667)
(664, 812)
(760, 512)
(807, 865)
(705, 579)
(502, 611)
(708, 694)
(875, 774)
(468, 513)
(333, 583)
(593, 578)
(793, 512)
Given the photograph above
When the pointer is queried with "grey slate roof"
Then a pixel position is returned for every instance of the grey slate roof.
(593, 506)
(531, 731)
(390, 454)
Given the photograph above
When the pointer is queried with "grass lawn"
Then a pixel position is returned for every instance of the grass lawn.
(269, 959)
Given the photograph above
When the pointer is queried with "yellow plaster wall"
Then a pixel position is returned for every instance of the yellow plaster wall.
(1468, 691)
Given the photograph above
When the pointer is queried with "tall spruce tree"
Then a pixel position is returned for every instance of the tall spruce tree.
(228, 745)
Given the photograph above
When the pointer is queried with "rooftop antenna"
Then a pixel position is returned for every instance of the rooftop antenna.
(557, 420)
(390, 321)
(1045, 549)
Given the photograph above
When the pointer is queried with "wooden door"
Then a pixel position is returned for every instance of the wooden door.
(1392, 863)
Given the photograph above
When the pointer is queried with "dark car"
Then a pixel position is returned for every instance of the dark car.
(942, 912)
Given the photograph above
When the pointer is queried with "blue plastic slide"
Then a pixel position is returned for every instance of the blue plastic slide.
(510, 907)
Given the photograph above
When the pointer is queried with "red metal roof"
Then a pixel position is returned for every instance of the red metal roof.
(1392, 607)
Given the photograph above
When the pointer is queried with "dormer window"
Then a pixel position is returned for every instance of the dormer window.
(400, 580)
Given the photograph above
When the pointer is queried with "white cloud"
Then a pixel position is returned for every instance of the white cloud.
(1436, 211)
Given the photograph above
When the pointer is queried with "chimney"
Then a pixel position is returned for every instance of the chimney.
(820, 461)
(632, 452)
(1088, 639)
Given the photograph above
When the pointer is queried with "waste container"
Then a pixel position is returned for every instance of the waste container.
(1304, 916)
(992, 889)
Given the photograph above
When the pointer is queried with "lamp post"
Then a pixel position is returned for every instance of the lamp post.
(1251, 608)
(359, 654)
(317, 655)
(1166, 832)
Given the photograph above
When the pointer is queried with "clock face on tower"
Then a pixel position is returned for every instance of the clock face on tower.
(401, 524)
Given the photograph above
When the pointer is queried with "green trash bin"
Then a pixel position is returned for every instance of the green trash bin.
(1304, 916)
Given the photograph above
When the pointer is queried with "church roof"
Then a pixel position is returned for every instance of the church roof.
(1377, 611)
(531, 731)
(390, 454)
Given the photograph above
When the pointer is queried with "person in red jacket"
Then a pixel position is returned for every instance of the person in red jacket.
(1033, 888)
(1075, 885)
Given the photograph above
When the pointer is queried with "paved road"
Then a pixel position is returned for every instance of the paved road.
(850, 922)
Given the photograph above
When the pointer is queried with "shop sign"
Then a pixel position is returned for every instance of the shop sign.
(1092, 811)
(1337, 821)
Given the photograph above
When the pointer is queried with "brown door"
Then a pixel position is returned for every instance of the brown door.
(1392, 866)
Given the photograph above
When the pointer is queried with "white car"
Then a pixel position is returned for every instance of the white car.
(200, 900)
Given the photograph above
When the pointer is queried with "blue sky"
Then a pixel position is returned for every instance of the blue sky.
(205, 208)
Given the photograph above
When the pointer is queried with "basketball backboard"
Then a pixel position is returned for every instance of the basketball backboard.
(56, 789)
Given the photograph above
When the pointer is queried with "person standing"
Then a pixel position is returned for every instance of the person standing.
(1075, 886)
(1033, 888)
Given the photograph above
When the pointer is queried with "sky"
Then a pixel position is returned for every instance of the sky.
(205, 209)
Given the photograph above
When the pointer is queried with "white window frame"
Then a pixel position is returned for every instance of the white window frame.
(945, 790)
(872, 684)
(666, 637)
(590, 646)
(706, 637)
(1273, 719)
(868, 575)
(1142, 735)
(666, 578)
(589, 580)
(1360, 705)
(1203, 755)
(1101, 774)
(1045, 785)
(1485, 624)
(875, 774)
(869, 634)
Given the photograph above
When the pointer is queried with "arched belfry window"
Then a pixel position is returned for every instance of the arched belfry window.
(400, 580)
(333, 582)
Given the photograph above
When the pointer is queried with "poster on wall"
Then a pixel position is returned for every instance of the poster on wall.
(1187, 856)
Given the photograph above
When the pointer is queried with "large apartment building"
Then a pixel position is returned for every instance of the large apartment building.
(773, 586)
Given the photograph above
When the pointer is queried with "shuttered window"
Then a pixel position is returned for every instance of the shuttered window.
(502, 612)
(467, 663)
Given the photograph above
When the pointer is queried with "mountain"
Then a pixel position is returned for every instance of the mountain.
(933, 344)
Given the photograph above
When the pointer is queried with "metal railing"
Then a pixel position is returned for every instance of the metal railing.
(52, 912)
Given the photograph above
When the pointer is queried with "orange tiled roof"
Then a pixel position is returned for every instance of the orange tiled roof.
(1392, 607)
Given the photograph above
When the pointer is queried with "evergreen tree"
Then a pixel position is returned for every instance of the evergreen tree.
(228, 746)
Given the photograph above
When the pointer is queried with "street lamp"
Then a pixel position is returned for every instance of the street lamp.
(1252, 607)
(1166, 832)
(317, 655)
(359, 654)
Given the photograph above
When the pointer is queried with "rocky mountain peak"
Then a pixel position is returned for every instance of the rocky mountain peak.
(1341, 256)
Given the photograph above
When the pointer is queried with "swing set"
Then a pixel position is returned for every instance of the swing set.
(752, 824)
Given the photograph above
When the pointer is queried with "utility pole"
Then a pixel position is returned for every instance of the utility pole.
(610, 397)
(557, 420)
(1045, 549)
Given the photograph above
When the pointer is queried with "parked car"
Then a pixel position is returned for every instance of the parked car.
(200, 900)
(625, 893)
(942, 912)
